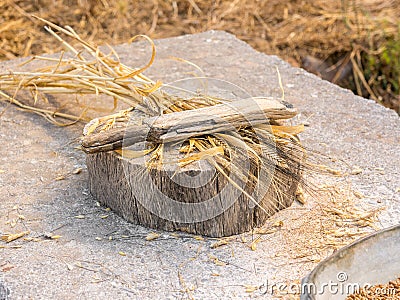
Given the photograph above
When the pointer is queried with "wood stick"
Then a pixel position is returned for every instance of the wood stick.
(189, 123)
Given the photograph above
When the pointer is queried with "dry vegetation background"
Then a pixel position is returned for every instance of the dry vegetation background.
(355, 43)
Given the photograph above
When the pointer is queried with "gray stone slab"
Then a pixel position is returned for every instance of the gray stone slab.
(33, 152)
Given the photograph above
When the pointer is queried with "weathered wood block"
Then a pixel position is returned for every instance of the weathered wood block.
(194, 199)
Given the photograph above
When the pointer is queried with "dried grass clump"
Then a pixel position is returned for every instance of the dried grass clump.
(89, 71)
(79, 75)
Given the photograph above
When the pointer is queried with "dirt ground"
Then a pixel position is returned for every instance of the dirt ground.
(334, 39)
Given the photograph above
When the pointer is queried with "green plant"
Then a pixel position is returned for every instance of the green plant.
(381, 66)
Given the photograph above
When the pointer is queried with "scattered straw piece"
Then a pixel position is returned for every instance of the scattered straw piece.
(152, 236)
(329, 170)
(251, 288)
(216, 261)
(219, 243)
(77, 171)
(12, 237)
(60, 177)
(358, 194)
(356, 170)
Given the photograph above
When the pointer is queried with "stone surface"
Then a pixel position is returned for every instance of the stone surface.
(86, 263)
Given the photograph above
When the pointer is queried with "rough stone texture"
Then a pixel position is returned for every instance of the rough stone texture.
(33, 152)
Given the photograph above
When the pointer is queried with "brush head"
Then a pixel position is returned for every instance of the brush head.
(244, 141)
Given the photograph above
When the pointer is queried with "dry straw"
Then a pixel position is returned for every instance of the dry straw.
(343, 32)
